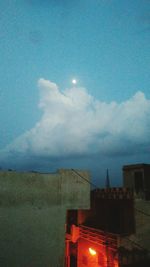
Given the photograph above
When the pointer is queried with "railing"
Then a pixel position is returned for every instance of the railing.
(99, 237)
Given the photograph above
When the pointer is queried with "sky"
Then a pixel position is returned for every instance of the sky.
(102, 121)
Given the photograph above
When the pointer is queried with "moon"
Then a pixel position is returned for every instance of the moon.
(74, 81)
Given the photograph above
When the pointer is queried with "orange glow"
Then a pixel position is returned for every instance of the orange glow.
(92, 251)
(116, 263)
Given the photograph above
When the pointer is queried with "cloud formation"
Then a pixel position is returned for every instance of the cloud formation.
(75, 123)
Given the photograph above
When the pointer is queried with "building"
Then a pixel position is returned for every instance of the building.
(33, 208)
(137, 177)
(116, 230)
(95, 234)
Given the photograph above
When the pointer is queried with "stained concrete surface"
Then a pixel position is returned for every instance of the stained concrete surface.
(33, 210)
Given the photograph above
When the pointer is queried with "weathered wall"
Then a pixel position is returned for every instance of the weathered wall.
(33, 215)
(110, 208)
(135, 248)
(142, 217)
(131, 180)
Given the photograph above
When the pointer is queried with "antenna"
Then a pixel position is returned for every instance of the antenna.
(107, 180)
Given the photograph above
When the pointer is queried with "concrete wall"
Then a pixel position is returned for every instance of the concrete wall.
(33, 214)
(135, 249)
(142, 218)
(110, 208)
(130, 179)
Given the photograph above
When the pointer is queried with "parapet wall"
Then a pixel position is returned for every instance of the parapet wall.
(112, 207)
(33, 209)
(114, 193)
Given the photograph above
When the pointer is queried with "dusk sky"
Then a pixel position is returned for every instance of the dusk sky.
(102, 121)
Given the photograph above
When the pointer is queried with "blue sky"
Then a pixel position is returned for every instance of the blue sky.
(104, 44)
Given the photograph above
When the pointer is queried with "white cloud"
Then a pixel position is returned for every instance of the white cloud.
(74, 122)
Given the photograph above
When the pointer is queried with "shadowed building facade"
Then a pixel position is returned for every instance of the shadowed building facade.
(137, 177)
(115, 231)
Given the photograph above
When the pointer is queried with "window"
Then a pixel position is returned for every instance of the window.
(138, 181)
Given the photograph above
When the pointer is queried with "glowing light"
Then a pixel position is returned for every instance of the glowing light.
(116, 263)
(92, 251)
(74, 81)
